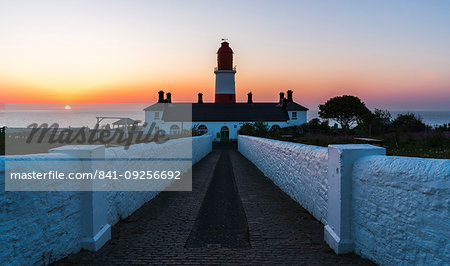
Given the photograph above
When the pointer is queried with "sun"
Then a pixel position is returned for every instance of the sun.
(67, 107)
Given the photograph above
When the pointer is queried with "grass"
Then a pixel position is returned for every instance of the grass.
(424, 144)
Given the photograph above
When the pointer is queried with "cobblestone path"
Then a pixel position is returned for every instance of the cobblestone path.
(264, 225)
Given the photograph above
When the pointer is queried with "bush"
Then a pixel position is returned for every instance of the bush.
(257, 129)
(295, 131)
(443, 128)
(261, 129)
(316, 126)
(275, 132)
(376, 123)
(436, 139)
(247, 129)
(408, 123)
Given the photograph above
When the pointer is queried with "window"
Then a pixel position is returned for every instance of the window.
(174, 130)
(294, 115)
(156, 115)
(202, 129)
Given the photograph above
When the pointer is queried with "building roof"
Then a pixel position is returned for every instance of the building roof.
(156, 107)
(124, 121)
(292, 106)
(238, 112)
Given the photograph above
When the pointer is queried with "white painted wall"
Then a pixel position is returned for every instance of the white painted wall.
(42, 227)
(38, 227)
(150, 116)
(299, 170)
(301, 118)
(401, 210)
(400, 205)
(201, 146)
(214, 127)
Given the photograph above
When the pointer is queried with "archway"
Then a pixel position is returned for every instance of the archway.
(275, 127)
(202, 129)
(174, 130)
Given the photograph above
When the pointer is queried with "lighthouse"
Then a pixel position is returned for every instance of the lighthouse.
(223, 118)
(225, 85)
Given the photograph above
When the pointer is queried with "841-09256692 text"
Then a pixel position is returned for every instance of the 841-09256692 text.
(99, 174)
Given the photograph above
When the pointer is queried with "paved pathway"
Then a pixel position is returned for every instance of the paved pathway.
(233, 215)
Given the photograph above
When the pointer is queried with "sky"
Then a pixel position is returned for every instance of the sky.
(391, 54)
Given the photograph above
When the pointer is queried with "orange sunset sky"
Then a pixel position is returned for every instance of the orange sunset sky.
(393, 55)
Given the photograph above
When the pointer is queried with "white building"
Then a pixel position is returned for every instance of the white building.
(224, 117)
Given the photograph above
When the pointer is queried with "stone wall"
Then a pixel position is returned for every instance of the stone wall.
(399, 206)
(37, 227)
(401, 210)
(299, 170)
(41, 227)
(201, 147)
(123, 203)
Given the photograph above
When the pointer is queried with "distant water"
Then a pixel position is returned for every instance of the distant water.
(80, 118)
(432, 118)
(72, 118)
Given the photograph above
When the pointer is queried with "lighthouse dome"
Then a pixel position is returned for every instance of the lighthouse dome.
(225, 57)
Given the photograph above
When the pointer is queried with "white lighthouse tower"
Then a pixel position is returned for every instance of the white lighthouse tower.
(225, 84)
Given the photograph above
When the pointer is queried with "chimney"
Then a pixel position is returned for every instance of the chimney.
(284, 103)
(200, 98)
(160, 96)
(289, 96)
(281, 97)
(168, 97)
(250, 97)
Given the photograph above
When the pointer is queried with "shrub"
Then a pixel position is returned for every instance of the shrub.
(247, 129)
(408, 123)
(435, 139)
(261, 129)
(316, 126)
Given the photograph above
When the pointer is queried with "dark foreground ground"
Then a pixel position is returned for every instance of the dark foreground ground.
(233, 215)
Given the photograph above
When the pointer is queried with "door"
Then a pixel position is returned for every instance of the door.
(224, 134)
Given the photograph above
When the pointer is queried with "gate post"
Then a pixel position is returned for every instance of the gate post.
(96, 230)
(337, 232)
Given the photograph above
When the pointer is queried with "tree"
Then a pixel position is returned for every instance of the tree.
(261, 129)
(408, 123)
(195, 131)
(377, 122)
(247, 129)
(346, 110)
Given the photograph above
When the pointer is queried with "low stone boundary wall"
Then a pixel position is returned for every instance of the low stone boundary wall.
(401, 210)
(392, 210)
(41, 227)
(299, 170)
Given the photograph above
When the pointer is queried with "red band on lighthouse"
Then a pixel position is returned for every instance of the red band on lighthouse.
(225, 98)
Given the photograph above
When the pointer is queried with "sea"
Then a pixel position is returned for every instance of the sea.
(66, 119)
(87, 118)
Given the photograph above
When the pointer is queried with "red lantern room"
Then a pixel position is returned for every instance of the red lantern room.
(225, 57)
